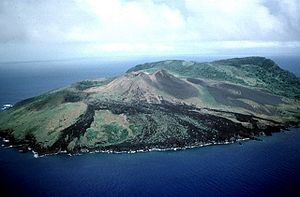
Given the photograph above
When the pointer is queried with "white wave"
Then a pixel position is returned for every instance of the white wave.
(6, 106)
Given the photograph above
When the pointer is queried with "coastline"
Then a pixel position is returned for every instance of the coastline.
(92, 151)
(255, 164)
(6, 144)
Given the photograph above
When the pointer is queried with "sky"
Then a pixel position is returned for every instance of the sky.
(55, 29)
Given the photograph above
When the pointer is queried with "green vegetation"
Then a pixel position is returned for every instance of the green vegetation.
(190, 69)
(264, 73)
(44, 125)
(52, 98)
(106, 129)
(83, 85)
(275, 80)
(159, 105)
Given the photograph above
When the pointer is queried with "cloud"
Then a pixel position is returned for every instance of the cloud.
(232, 20)
(150, 26)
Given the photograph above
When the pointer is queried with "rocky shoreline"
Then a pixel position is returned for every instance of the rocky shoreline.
(158, 106)
(228, 131)
(10, 142)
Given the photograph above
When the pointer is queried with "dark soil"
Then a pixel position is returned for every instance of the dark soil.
(211, 128)
(228, 94)
(174, 86)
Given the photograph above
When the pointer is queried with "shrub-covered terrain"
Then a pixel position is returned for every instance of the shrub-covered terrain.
(166, 104)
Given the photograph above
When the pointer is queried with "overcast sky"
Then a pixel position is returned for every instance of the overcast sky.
(50, 29)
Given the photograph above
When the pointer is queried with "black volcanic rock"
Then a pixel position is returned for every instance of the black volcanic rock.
(166, 104)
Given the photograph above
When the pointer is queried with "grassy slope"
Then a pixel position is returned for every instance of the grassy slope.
(45, 124)
(106, 129)
(251, 71)
(45, 118)
(254, 73)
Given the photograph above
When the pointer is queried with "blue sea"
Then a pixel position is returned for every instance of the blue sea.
(270, 167)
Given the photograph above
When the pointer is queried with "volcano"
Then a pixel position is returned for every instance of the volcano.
(160, 105)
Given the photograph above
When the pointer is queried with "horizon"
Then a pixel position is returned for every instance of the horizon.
(184, 57)
(194, 88)
(130, 29)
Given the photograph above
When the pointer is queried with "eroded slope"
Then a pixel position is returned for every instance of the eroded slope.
(159, 105)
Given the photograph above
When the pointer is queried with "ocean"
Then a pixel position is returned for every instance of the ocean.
(270, 167)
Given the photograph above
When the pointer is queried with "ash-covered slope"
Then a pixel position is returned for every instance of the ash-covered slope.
(165, 104)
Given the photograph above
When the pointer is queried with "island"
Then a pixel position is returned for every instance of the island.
(172, 104)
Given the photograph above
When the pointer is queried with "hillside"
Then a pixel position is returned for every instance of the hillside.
(166, 104)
